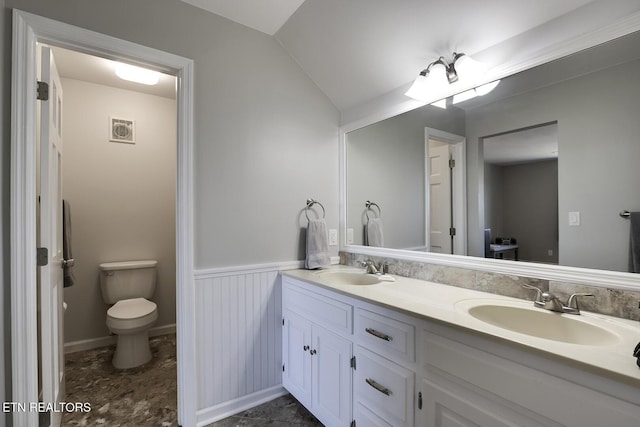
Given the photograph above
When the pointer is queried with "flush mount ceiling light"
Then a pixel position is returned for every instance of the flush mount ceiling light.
(137, 74)
(438, 77)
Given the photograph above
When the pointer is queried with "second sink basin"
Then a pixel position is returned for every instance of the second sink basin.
(526, 319)
(349, 277)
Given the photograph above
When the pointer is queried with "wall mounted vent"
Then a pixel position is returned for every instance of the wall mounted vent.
(121, 130)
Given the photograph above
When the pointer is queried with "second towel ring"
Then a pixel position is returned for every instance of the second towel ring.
(311, 202)
(369, 207)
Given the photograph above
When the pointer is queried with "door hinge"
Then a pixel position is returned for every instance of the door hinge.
(452, 231)
(353, 363)
(42, 257)
(283, 367)
(42, 91)
(452, 163)
(419, 400)
(353, 423)
(283, 321)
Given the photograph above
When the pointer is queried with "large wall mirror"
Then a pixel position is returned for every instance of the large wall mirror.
(549, 159)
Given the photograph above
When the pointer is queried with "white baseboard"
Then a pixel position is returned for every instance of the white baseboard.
(223, 410)
(74, 346)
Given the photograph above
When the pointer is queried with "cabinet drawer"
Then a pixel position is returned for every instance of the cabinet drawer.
(328, 312)
(385, 335)
(384, 387)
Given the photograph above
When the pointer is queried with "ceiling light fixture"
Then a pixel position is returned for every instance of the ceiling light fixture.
(137, 74)
(439, 75)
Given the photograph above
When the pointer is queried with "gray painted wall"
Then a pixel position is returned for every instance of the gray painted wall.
(386, 165)
(523, 204)
(122, 197)
(597, 167)
(266, 136)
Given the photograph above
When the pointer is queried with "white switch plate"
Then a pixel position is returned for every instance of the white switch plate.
(333, 237)
(574, 218)
(349, 236)
(550, 252)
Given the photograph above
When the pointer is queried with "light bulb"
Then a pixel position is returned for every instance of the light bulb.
(137, 74)
(486, 88)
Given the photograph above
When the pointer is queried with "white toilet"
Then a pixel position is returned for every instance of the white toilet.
(127, 285)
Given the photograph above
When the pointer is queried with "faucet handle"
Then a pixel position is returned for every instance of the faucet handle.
(574, 297)
(535, 288)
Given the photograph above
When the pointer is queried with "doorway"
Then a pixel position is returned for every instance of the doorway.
(28, 31)
(118, 175)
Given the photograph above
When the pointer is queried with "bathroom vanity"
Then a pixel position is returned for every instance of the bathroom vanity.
(363, 352)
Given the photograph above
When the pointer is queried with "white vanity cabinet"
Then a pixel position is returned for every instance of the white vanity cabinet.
(487, 384)
(412, 371)
(317, 353)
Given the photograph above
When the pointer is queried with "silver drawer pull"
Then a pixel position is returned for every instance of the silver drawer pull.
(380, 388)
(379, 334)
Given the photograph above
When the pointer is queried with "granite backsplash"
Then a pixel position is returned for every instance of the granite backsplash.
(612, 302)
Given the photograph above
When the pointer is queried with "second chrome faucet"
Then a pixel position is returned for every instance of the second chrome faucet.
(549, 301)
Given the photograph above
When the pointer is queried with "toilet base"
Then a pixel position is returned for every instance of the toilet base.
(132, 350)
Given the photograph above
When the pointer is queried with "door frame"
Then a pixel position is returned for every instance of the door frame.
(28, 29)
(459, 184)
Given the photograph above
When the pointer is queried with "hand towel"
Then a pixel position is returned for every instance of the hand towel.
(374, 232)
(69, 276)
(317, 245)
(634, 251)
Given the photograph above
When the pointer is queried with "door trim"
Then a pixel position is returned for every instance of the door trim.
(27, 30)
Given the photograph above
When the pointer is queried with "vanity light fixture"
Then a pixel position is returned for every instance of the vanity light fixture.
(437, 77)
(137, 74)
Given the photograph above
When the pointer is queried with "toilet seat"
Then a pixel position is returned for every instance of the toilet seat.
(130, 315)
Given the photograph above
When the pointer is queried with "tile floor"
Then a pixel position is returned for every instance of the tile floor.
(146, 395)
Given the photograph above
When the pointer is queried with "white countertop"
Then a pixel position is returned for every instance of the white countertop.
(434, 301)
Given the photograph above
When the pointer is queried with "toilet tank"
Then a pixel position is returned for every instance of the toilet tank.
(127, 279)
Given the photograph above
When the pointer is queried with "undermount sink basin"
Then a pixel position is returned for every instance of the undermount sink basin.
(529, 320)
(349, 277)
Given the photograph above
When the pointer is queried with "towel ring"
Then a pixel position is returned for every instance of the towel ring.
(369, 207)
(311, 202)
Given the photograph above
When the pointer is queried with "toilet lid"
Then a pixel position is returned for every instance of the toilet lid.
(131, 308)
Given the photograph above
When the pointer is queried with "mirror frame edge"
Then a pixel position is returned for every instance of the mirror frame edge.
(575, 275)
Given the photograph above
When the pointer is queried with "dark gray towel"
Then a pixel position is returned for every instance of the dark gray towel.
(69, 277)
(634, 252)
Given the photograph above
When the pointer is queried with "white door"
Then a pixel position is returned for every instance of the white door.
(439, 198)
(51, 275)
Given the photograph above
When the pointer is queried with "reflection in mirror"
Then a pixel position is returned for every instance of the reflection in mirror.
(592, 98)
(521, 194)
(386, 164)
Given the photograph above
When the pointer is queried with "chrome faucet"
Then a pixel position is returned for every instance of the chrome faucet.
(549, 301)
(371, 268)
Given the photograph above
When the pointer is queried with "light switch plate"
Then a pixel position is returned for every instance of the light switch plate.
(349, 236)
(333, 237)
(574, 218)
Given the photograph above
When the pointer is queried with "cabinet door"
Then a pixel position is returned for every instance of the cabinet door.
(452, 405)
(331, 378)
(296, 357)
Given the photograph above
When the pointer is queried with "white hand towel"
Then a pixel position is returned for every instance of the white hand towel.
(317, 245)
(374, 232)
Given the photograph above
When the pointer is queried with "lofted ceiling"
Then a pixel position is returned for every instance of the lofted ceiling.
(358, 50)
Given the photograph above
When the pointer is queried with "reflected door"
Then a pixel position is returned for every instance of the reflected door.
(440, 240)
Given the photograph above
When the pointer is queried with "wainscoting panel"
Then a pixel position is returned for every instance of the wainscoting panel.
(239, 337)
